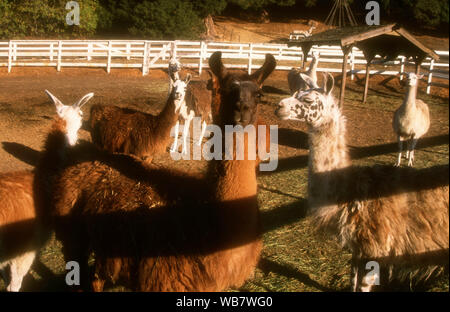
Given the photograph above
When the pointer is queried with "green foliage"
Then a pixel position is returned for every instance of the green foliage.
(45, 18)
(169, 19)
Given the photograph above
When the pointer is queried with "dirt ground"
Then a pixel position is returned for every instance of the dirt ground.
(293, 259)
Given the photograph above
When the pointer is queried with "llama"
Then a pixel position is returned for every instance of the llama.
(173, 71)
(381, 213)
(18, 242)
(295, 81)
(124, 130)
(198, 101)
(150, 227)
(411, 120)
(22, 225)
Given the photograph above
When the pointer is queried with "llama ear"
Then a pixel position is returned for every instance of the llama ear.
(309, 82)
(265, 70)
(419, 76)
(58, 104)
(216, 65)
(187, 79)
(84, 100)
(328, 83)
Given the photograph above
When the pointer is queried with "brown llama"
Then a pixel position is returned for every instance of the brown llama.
(23, 228)
(395, 216)
(124, 130)
(150, 228)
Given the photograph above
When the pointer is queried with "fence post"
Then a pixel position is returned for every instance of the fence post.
(51, 51)
(250, 55)
(108, 65)
(200, 63)
(402, 67)
(89, 51)
(9, 56)
(144, 59)
(58, 66)
(128, 51)
(15, 52)
(430, 75)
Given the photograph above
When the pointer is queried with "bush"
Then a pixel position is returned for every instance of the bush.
(168, 19)
(45, 18)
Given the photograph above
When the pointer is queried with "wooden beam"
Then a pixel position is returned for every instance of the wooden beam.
(345, 41)
(346, 51)
(417, 43)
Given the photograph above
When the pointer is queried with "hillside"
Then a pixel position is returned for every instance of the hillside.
(238, 30)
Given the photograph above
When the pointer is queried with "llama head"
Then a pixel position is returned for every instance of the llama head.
(413, 79)
(71, 114)
(314, 105)
(315, 54)
(179, 91)
(240, 93)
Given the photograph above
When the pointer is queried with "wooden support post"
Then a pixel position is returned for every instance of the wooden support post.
(366, 81)
(346, 51)
(58, 66)
(402, 67)
(430, 75)
(352, 64)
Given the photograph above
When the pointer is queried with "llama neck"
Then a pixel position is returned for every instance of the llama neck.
(410, 98)
(55, 146)
(168, 116)
(234, 189)
(312, 71)
(328, 154)
(50, 164)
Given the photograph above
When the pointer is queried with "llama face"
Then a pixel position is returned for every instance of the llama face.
(179, 90)
(245, 96)
(412, 79)
(314, 106)
(71, 114)
(240, 93)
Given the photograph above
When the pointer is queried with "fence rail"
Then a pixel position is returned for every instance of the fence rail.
(194, 54)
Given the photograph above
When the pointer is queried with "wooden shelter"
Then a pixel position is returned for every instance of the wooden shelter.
(388, 41)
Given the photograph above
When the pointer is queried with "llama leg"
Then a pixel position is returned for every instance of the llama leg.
(175, 141)
(19, 268)
(400, 148)
(355, 278)
(200, 139)
(187, 123)
(411, 152)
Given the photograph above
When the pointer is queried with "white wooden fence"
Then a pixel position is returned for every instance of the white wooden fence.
(194, 54)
